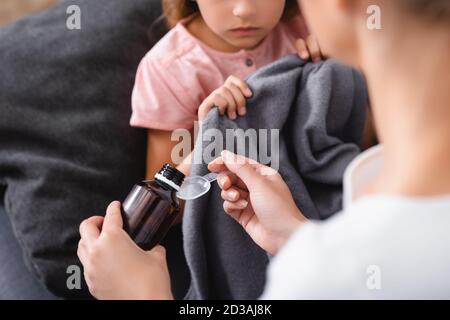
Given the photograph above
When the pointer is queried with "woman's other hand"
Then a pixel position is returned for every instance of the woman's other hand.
(115, 267)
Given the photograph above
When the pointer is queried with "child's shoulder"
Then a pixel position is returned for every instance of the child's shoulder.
(175, 45)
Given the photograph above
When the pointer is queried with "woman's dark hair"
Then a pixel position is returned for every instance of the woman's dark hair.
(177, 10)
(433, 9)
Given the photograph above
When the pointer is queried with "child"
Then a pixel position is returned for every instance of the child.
(211, 40)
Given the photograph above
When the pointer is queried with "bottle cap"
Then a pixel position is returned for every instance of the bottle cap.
(170, 176)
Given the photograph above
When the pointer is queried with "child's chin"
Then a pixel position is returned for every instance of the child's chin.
(246, 43)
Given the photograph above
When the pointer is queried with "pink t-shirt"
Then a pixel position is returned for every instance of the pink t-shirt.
(180, 72)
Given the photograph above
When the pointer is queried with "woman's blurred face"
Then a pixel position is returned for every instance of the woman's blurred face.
(242, 23)
(332, 22)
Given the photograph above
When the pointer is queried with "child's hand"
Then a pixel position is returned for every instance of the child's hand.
(231, 97)
(115, 267)
(309, 48)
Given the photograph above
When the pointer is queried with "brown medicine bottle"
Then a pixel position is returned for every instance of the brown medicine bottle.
(152, 206)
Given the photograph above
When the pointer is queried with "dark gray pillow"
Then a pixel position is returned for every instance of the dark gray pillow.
(66, 147)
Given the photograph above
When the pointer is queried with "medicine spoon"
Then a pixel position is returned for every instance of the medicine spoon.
(196, 186)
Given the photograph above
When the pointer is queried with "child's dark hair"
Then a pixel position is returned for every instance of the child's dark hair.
(177, 10)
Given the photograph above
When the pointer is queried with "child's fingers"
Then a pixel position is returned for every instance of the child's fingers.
(239, 99)
(241, 84)
(314, 49)
(216, 100)
(204, 109)
(231, 103)
(221, 103)
(302, 49)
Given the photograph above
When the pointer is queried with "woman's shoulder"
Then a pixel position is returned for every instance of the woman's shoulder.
(344, 256)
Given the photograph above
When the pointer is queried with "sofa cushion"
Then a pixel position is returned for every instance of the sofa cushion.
(66, 147)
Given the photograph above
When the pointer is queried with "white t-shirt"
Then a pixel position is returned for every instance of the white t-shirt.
(379, 247)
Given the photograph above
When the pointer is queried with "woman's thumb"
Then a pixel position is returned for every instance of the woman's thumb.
(113, 217)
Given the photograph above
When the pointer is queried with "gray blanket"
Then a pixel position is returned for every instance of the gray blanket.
(319, 110)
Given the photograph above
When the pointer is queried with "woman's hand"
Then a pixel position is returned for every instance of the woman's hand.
(115, 267)
(230, 98)
(257, 197)
(309, 48)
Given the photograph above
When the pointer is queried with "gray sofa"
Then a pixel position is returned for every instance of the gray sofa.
(66, 146)
(16, 281)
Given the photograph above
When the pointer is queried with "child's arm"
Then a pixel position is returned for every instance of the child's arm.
(159, 151)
